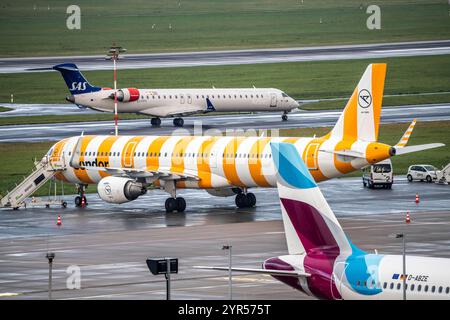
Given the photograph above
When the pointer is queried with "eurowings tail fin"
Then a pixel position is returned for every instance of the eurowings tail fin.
(309, 222)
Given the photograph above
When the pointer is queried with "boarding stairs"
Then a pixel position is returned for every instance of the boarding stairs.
(443, 176)
(44, 171)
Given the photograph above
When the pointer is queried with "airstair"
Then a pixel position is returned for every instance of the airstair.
(443, 176)
(44, 170)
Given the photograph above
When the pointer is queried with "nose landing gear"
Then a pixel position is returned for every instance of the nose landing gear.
(80, 200)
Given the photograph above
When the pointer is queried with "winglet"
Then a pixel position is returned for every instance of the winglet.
(209, 106)
(405, 138)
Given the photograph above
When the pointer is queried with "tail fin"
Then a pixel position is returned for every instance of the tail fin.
(75, 80)
(308, 220)
(361, 117)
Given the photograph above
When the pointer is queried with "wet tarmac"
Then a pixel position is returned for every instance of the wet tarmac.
(109, 243)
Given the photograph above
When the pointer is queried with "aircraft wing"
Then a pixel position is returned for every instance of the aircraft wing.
(179, 111)
(260, 271)
(143, 173)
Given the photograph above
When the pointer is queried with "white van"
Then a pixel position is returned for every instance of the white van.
(378, 174)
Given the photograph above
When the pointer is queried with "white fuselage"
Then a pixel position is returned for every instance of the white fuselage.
(176, 102)
(372, 277)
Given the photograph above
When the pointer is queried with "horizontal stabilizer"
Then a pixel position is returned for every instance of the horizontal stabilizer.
(420, 147)
(260, 271)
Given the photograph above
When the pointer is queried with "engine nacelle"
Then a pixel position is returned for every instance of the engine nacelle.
(120, 190)
(224, 192)
(127, 95)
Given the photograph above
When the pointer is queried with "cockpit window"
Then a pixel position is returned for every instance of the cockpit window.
(284, 95)
(50, 152)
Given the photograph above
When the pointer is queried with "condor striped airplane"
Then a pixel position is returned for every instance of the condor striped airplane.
(163, 103)
(125, 166)
(324, 263)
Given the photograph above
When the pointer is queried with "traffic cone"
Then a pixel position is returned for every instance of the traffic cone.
(58, 221)
(408, 219)
(417, 198)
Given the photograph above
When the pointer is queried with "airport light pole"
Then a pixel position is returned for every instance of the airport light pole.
(230, 279)
(113, 54)
(402, 236)
(50, 256)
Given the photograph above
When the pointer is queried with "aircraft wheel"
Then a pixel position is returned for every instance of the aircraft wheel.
(171, 205)
(77, 201)
(178, 122)
(284, 117)
(241, 200)
(156, 122)
(181, 204)
(251, 199)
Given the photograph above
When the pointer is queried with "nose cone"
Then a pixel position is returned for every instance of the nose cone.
(294, 104)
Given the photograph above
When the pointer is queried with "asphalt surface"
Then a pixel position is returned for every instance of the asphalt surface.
(110, 243)
(214, 124)
(233, 57)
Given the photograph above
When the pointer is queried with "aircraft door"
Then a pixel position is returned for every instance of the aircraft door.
(312, 156)
(128, 154)
(273, 100)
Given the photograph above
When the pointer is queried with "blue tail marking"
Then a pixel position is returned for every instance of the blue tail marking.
(290, 166)
(209, 106)
(75, 80)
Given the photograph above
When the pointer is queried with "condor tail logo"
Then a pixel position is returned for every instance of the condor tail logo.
(78, 86)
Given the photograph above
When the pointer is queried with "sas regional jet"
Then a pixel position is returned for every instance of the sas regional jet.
(176, 103)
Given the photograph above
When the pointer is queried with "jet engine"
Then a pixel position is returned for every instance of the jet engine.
(120, 190)
(127, 95)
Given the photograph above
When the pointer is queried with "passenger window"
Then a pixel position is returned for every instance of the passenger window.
(419, 287)
(447, 290)
(440, 290)
(391, 286)
(385, 285)
(433, 289)
(412, 287)
(425, 288)
(398, 286)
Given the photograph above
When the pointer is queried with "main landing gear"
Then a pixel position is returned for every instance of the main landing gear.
(178, 122)
(284, 116)
(245, 200)
(156, 122)
(80, 200)
(173, 203)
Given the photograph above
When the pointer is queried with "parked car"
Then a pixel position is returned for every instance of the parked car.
(422, 172)
(378, 174)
